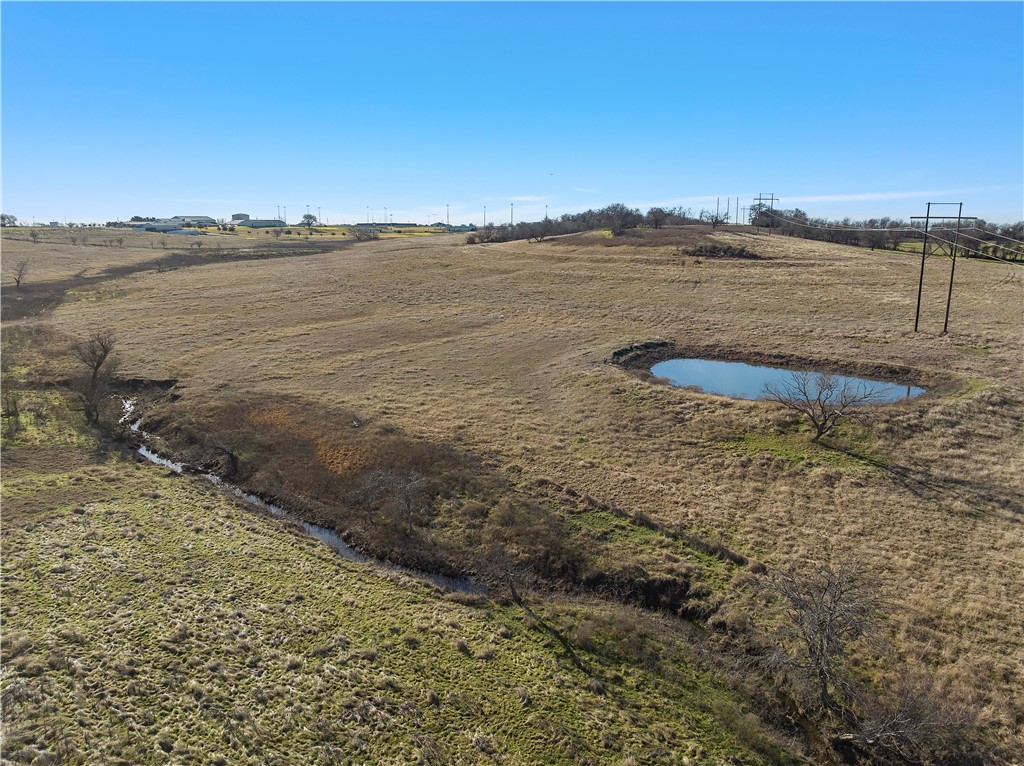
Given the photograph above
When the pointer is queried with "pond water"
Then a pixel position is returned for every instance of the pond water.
(746, 381)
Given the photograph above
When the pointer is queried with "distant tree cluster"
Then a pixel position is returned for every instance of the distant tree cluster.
(8, 220)
(617, 219)
(889, 233)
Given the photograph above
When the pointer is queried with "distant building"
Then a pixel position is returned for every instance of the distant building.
(258, 223)
(55, 224)
(194, 220)
(160, 225)
(236, 217)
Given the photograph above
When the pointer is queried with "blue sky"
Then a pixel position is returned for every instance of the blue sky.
(863, 109)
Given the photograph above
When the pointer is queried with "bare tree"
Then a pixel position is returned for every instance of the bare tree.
(826, 610)
(540, 229)
(906, 718)
(364, 233)
(404, 498)
(657, 217)
(716, 219)
(97, 354)
(824, 399)
(19, 271)
(916, 722)
(34, 236)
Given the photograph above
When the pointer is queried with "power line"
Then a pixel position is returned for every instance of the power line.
(994, 234)
(983, 241)
(888, 229)
(915, 230)
(837, 227)
(976, 252)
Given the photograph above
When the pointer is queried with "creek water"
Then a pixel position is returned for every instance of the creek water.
(746, 381)
(325, 535)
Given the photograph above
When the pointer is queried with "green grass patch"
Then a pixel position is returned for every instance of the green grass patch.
(150, 619)
(848, 446)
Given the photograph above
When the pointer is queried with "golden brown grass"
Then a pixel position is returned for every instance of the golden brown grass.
(149, 619)
(503, 350)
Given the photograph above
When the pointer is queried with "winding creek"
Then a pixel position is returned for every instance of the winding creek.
(327, 536)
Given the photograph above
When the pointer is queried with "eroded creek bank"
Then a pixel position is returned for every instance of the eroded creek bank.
(432, 508)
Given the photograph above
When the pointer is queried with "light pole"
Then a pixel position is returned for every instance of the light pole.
(485, 216)
(385, 216)
(447, 219)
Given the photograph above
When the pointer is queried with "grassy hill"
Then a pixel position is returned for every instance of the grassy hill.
(647, 519)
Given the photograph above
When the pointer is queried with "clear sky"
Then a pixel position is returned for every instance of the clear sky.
(860, 109)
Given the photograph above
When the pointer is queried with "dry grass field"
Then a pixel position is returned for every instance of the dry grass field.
(502, 352)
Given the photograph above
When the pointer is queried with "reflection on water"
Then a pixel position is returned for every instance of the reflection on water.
(745, 381)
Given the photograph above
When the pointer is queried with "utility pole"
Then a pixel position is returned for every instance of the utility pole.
(924, 253)
(956, 239)
(512, 214)
(485, 216)
(928, 218)
(447, 218)
(771, 200)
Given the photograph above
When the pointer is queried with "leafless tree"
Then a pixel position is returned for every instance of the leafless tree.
(34, 236)
(716, 219)
(657, 216)
(97, 354)
(540, 229)
(826, 611)
(916, 722)
(19, 271)
(824, 399)
(402, 497)
(364, 233)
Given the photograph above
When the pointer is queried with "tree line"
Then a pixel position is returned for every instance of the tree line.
(999, 240)
(616, 218)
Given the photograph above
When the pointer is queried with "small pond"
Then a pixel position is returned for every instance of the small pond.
(745, 381)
